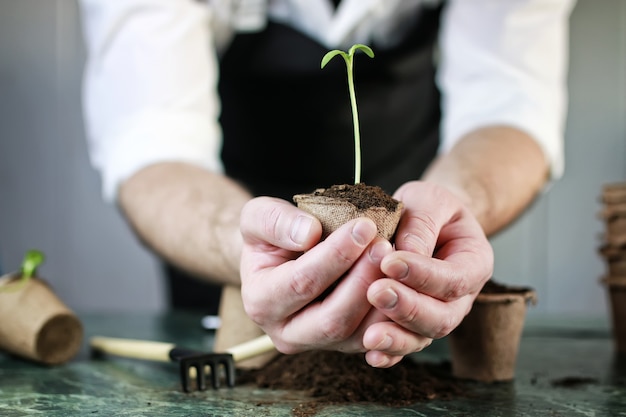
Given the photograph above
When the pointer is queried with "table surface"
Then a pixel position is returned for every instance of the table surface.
(550, 350)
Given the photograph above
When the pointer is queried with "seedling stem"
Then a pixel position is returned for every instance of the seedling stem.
(349, 59)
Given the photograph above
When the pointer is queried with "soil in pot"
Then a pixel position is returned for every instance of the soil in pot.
(484, 346)
(338, 204)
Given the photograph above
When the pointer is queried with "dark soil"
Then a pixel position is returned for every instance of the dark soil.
(573, 382)
(493, 287)
(338, 378)
(361, 195)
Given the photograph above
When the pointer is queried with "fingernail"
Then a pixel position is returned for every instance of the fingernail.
(300, 229)
(387, 298)
(378, 251)
(362, 232)
(382, 362)
(385, 343)
(398, 269)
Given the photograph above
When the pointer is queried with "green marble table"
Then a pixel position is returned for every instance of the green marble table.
(551, 350)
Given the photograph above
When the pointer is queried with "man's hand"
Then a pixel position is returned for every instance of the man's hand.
(441, 262)
(304, 293)
(308, 294)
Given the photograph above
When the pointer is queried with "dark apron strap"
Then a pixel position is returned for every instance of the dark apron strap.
(287, 124)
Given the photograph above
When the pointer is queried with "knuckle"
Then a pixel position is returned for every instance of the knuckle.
(255, 304)
(423, 233)
(423, 345)
(422, 279)
(401, 346)
(340, 254)
(411, 316)
(271, 222)
(304, 286)
(254, 309)
(334, 329)
(446, 326)
(286, 347)
(457, 288)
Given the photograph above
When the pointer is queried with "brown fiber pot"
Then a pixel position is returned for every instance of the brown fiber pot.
(485, 345)
(334, 212)
(35, 324)
(616, 294)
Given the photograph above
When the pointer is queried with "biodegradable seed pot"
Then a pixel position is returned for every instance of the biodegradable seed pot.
(340, 203)
(34, 323)
(485, 345)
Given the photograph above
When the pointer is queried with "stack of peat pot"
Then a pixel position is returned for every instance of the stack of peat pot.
(613, 250)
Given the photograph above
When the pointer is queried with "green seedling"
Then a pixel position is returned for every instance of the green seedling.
(349, 59)
(31, 262)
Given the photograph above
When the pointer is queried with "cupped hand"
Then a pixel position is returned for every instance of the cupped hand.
(306, 294)
(441, 262)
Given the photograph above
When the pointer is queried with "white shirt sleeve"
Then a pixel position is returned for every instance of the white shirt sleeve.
(149, 86)
(503, 62)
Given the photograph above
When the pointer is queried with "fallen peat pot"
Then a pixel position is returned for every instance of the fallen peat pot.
(35, 324)
(339, 204)
(484, 346)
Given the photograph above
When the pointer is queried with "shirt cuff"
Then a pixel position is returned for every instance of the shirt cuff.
(518, 115)
(156, 137)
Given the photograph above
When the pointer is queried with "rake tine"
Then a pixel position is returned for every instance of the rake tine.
(201, 380)
(230, 372)
(228, 362)
(215, 375)
(200, 376)
(189, 359)
(219, 362)
(184, 376)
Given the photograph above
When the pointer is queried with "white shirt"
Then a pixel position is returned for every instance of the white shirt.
(152, 69)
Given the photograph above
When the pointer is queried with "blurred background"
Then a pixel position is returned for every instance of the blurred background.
(50, 196)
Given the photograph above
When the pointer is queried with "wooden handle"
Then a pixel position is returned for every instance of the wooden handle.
(132, 348)
(159, 351)
(254, 347)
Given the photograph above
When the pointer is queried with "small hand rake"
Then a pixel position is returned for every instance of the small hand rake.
(193, 364)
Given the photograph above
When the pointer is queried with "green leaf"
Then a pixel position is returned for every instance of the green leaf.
(32, 260)
(330, 55)
(359, 46)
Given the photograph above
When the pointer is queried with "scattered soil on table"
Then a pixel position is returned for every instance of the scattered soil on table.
(573, 381)
(337, 378)
(361, 195)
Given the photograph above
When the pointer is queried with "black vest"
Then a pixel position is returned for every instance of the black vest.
(287, 124)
